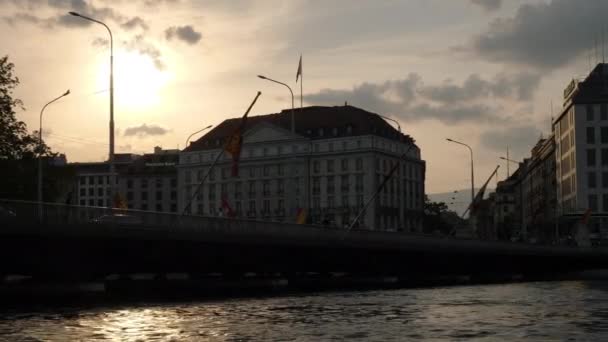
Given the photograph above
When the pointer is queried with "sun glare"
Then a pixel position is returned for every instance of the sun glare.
(137, 81)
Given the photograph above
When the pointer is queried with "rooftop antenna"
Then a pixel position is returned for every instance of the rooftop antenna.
(603, 57)
(551, 125)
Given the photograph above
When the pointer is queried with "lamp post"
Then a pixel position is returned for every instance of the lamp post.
(391, 119)
(111, 154)
(40, 150)
(200, 130)
(472, 172)
(293, 120)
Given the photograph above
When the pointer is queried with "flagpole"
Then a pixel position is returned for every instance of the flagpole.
(301, 85)
(386, 179)
(217, 158)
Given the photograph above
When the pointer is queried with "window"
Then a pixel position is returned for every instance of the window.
(280, 187)
(237, 190)
(344, 183)
(316, 185)
(266, 170)
(359, 164)
(605, 180)
(266, 188)
(590, 113)
(316, 166)
(252, 172)
(330, 165)
(604, 135)
(590, 135)
(330, 202)
(211, 191)
(251, 189)
(252, 209)
(604, 157)
(144, 206)
(129, 184)
(99, 191)
(591, 180)
(100, 203)
(144, 182)
(591, 157)
(280, 169)
(82, 192)
(91, 180)
(144, 196)
(344, 164)
(224, 190)
(212, 174)
(174, 208)
(592, 202)
(330, 185)
(344, 145)
(173, 195)
(173, 182)
(359, 183)
(82, 180)
(99, 179)
(345, 201)
(159, 182)
(159, 207)
(130, 196)
(266, 207)
(331, 147)
(91, 202)
(83, 202)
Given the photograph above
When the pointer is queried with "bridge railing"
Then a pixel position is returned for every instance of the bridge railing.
(28, 213)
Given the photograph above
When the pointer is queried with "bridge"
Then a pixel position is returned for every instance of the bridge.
(54, 241)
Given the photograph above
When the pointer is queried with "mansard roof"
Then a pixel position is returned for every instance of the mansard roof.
(314, 122)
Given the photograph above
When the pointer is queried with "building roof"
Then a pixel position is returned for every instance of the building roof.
(315, 122)
(154, 164)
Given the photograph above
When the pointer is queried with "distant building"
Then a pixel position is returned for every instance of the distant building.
(329, 167)
(93, 180)
(581, 151)
(150, 181)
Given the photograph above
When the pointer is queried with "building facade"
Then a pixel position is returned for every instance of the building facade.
(329, 168)
(581, 152)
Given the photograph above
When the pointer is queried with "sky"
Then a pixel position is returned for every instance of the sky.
(489, 73)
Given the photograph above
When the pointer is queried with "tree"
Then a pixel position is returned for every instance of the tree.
(15, 141)
(437, 217)
(18, 148)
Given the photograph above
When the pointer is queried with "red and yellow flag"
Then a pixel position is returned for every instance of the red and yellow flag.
(234, 145)
(301, 216)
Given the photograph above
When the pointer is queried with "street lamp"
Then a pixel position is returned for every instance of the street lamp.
(472, 172)
(40, 149)
(200, 130)
(111, 157)
(391, 119)
(293, 120)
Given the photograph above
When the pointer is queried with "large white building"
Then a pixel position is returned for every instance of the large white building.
(329, 167)
(581, 152)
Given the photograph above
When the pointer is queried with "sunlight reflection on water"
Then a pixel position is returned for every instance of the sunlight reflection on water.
(543, 311)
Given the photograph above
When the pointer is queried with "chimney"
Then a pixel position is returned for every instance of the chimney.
(157, 149)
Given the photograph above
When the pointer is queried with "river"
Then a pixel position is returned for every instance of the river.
(560, 310)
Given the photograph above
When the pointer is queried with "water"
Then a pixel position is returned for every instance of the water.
(568, 310)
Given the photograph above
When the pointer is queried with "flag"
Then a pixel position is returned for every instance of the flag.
(227, 209)
(119, 202)
(301, 216)
(299, 73)
(234, 145)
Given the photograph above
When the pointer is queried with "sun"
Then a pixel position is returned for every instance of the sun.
(138, 83)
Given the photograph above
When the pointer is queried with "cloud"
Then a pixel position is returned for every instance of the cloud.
(184, 33)
(476, 99)
(544, 35)
(488, 5)
(520, 139)
(521, 86)
(134, 23)
(103, 42)
(141, 46)
(145, 130)
(155, 3)
(62, 19)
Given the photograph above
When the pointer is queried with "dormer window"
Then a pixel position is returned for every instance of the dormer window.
(349, 129)
(335, 131)
(309, 132)
(320, 132)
